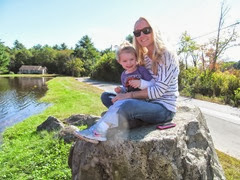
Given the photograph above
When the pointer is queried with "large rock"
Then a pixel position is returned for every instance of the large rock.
(51, 124)
(81, 119)
(183, 152)
(67, 133)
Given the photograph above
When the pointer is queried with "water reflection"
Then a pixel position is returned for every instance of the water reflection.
(18, 99)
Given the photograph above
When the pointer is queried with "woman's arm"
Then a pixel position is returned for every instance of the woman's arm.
(167, 78)
(143, 94)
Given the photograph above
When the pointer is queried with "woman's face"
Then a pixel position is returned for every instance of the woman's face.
(145, 40)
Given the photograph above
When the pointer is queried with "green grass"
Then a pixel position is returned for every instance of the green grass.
(26, 154)
(231, 166)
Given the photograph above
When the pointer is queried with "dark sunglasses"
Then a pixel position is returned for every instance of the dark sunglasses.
(146, 30)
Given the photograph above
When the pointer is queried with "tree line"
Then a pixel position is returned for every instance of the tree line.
(58, 59)
(85, 60)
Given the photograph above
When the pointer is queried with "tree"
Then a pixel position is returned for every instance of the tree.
(63, 46)
(61, 60)
(24, 56)
(224, 40)
(105, 51)
(237, 65)
(107, 68)
(86, 51)
(20, 57)
(56, 47)
(4, 59)
(188, 48)
(46, 57)
(18, 46)
(129, 38)
(75, 66)
(37, 47)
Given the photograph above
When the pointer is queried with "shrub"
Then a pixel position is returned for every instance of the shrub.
(237, 97)
(107, 68)
(222, 85)
(187, 79)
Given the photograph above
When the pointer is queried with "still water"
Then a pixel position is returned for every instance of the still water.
(18, 99)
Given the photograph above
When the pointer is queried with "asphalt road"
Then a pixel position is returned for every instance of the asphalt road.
(223, 121)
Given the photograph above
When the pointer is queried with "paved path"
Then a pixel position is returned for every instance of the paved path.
(223, 121)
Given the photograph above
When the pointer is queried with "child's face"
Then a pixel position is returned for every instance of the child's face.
(128, 61)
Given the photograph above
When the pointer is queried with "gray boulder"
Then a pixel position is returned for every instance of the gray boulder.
(81, 119)
(67, 134)
(183, 152)
(51, 124)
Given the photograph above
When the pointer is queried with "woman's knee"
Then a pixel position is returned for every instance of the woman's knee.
(106, 100)
(126, 116)
(127, 109)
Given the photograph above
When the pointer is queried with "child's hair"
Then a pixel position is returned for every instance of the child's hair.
(127, 48)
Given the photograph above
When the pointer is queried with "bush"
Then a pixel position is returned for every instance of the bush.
(107, 68)
(187, 81)
(237, 97)
(222, 85)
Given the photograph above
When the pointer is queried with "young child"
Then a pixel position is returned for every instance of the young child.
(141, 79)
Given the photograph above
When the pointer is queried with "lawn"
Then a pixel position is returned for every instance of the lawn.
(27, 154)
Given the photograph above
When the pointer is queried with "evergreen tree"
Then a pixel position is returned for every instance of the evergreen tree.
(86, 51)
(63, 46)
(129, 38)
(17, 45)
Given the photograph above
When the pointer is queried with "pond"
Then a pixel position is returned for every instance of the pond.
(19, 99)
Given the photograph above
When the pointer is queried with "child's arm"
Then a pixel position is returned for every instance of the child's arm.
(146, 80)
(141, 83)
(119, 89)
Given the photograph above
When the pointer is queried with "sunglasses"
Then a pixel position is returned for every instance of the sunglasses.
(146, 30)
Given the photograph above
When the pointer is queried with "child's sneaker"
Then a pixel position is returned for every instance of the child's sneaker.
(92, 135)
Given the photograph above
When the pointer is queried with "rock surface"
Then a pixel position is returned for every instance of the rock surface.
(183, 152)
(51, 124)
(81, 119)
(67, 134)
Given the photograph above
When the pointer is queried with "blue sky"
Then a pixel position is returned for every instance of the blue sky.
(107, 22)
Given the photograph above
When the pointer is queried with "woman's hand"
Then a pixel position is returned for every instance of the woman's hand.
(135, 83)
(121, 96)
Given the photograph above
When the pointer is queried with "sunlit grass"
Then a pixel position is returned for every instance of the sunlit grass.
(231, 166)
(26, 154)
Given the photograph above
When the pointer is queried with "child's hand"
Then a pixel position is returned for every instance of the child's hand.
(135, 83)
(118, 89)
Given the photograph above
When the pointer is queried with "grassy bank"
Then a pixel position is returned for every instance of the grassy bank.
(231, 166)
(27, 154)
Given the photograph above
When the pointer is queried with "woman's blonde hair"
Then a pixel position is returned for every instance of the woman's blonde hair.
(159, 47)
(125, 47)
